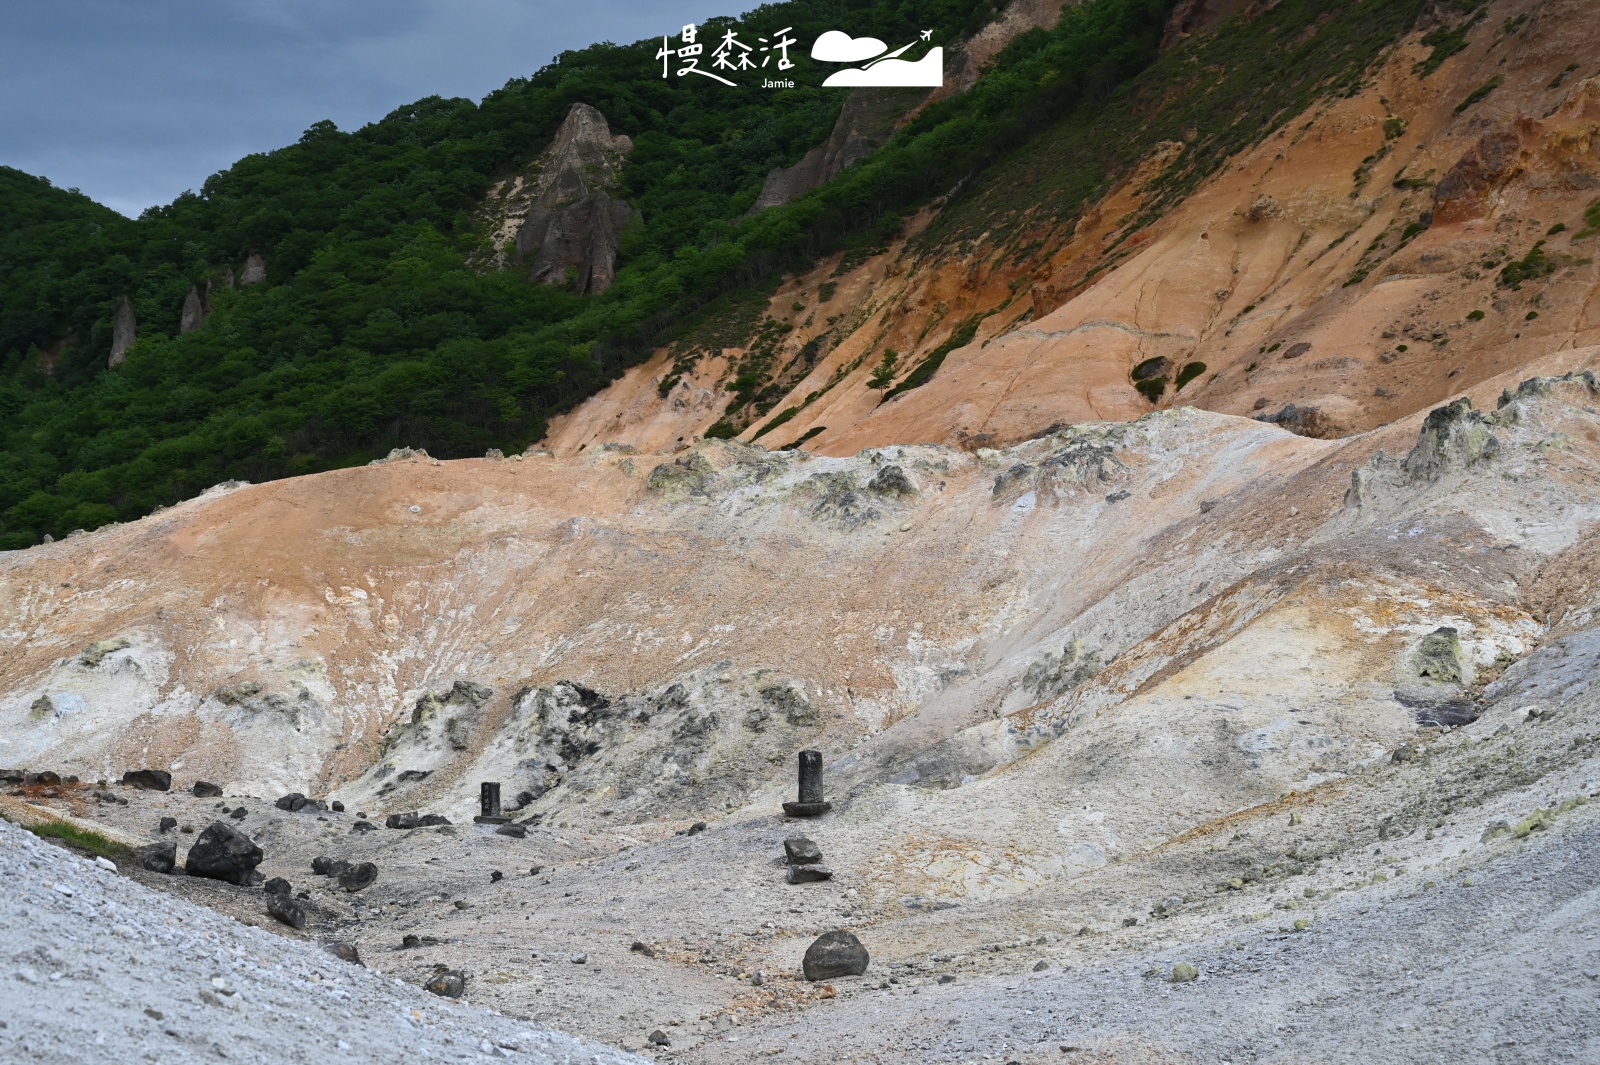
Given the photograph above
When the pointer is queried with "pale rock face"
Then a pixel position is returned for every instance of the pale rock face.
(868, 119)
(195, 311)
(123, 329)
(560, 217)
(255, 269)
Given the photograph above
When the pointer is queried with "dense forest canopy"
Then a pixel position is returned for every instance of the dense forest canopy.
(373, 328)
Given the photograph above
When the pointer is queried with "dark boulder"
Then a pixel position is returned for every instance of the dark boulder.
(798, 850)
(359, 877)
(48, 778)
(514, 831)
(809, 874)
(148, 779)
(223, 853)
(204, 789)
(291, 911)
(157, 857)
(415, 820)
(167, 824)
(277, 886)
(835, 954)
(448, 984)
(338, 807)
(363, 826)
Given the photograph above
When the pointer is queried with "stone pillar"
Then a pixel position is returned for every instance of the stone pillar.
(489, 798)
(810, 776)
(811, 802)
(124, 327)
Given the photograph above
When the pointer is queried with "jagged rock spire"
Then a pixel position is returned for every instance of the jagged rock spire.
(124, 327)
(195, 310)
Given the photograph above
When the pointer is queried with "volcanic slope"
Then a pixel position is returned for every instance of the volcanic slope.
(1189, 688)
(1387, 247)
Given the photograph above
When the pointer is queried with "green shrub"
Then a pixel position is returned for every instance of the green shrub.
(1530, 267)
(1187, 374)
(959, 338)
(1475, 316)
(1480, 92)
(1445, 41)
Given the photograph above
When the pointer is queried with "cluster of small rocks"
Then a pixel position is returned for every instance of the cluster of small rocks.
(206, 987)
(804, 861)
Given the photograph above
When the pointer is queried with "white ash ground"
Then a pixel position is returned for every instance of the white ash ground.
(1226, 775)
(97, 968)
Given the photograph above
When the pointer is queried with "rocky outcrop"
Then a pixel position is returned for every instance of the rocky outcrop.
(123, 329)
(1192, 16)
(868, 119)
(195, 311)
(561, 217)
(255, 269)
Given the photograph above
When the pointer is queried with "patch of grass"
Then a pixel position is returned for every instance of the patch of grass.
(1393, 128)
(1480, 92)
(1559, 227)
(79, 839)
(1475, 316)
(826, 290)
(961, 337)
(1555, 83)
(813, 431)
(783, 417)
(1446, 41)
(1591, 218)
(1152, 388)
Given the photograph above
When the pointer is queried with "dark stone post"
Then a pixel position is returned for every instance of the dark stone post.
(489, 798)
(811, 802)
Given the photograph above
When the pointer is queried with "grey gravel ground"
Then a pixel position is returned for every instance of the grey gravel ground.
(1505, 969)
(97, 968)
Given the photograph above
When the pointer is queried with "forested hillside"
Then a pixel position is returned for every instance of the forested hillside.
(373, 329)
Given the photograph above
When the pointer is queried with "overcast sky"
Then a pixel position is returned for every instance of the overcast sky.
(134, 101)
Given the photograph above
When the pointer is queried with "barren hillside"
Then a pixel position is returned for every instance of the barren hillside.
(1189, 578)
(1372, 256)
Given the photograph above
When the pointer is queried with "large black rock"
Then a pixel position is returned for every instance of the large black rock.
(415, 820)
(148, 779)
(835, 954)
(291, 911)
(359, 877)
(223, 853)
(158, 857)
(204, 789)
